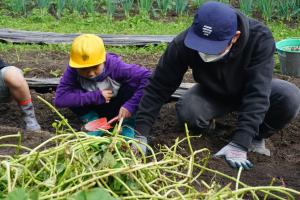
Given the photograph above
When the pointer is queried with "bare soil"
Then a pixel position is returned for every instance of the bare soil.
(283, 165)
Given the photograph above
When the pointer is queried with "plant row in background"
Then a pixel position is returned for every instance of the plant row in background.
(78, 166)
(268, 9)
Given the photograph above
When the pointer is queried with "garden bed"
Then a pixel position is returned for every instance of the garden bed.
(283, 165)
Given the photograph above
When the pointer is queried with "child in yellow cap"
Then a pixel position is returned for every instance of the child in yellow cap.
(99, 84)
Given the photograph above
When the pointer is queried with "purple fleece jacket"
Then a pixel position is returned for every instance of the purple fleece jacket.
(69, 92)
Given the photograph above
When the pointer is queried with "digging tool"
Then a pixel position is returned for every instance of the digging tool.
(100, 123)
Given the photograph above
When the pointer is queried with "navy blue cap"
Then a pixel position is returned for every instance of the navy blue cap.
(213, 27)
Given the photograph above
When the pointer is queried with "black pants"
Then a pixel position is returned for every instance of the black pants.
(197, 108)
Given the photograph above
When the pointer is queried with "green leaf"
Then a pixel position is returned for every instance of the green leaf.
(115, 130)
(116, 185)
(26, 70)
(60, 167)
(117, 165)
(94, 147)
(54, 124)
(93, 194)
(34, 195)
(132, 185)
(17, 194)
(96, 159)
(103, 147)
(56, 73)
(108, 160)
(50, 182)
(1, 195)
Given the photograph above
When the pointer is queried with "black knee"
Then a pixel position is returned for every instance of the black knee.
(290, 103)
(186, 113)
(285, 104)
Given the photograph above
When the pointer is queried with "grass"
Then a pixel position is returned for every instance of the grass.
(96, 24)
(63, 48)
(104, 25)
(281, 31)
(133, 25)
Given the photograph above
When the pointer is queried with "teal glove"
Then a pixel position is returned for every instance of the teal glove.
(127, 129)
(235, 155)
(128, 132)
(95, 133)
(91, 116)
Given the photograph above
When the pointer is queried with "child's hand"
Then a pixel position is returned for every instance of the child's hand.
(124, 113)
(107, 94)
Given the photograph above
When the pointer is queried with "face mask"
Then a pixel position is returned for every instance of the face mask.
(212, 58)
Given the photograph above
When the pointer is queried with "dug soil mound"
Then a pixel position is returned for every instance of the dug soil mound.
(283, 165)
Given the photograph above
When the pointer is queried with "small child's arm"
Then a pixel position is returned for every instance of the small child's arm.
(135, 76)
(70, 94)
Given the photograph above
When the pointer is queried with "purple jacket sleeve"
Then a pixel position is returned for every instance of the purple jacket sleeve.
(70, 94)
(134, 75)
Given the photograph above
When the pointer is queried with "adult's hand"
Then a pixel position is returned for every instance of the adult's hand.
(124, 113)
(107, 94)
(235, 155)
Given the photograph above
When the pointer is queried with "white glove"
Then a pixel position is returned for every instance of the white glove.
(235, 155)
(259, 146)
(141, 140)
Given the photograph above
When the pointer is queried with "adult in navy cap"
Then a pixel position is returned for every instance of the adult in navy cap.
(231, 57)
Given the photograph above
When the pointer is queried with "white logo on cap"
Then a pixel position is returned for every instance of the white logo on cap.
(206, 30)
